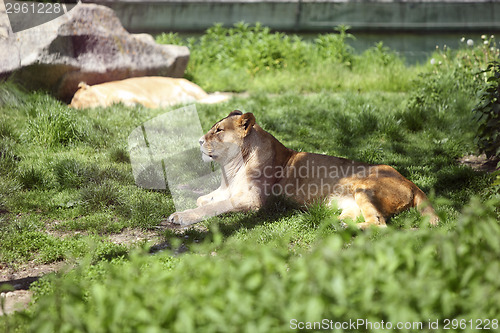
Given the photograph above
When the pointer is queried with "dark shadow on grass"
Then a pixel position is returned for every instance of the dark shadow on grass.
(274, 209)
(20, 284)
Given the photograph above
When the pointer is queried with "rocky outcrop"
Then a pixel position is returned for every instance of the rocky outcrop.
(89, 45)
(4, 21)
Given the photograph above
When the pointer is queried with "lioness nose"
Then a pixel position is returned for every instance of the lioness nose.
(201, 141)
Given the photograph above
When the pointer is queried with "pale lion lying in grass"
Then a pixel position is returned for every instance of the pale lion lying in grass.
(255, 165)
(150, 91)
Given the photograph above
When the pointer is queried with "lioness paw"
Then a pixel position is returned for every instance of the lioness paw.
(183, 218)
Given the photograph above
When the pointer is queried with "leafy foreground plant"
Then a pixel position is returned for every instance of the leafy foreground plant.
(488, 113)
(414, 276)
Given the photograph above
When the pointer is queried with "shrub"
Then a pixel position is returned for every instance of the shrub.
(487, 113)
(334, 47)
(382, 55)
(238, 54)
(253, 48)
(170, 38)
(444, 97)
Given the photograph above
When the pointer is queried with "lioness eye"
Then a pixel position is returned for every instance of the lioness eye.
(218, 130)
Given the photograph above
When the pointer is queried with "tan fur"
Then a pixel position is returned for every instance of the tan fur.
(150, 91)
(255, 165)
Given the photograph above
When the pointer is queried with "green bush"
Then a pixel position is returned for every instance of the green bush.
(238, 54)
(487, 113)
(334, 47)
(251, 48)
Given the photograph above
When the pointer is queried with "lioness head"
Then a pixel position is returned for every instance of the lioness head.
(84, 97)
(225, 140)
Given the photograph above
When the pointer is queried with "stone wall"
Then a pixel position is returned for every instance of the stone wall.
(311, 15)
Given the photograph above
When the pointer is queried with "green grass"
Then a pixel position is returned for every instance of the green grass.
(66, 185)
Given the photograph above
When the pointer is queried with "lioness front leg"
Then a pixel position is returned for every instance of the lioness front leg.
(195, 215)
(212, 197)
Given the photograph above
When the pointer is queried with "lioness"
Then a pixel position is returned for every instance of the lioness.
(150, 91)
(255, 165)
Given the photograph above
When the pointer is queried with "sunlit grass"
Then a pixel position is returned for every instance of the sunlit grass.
(83, 180)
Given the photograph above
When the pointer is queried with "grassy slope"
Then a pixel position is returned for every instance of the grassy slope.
(68, 170)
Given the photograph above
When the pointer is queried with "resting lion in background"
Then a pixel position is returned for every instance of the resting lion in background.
(255, 166)
(150, 91)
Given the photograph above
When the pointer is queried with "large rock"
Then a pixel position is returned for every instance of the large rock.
(89, 45)
(4, 21)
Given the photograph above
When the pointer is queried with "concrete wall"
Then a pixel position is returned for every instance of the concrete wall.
(311, 15)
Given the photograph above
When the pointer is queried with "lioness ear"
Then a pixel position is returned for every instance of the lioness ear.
(247, 121)
(83, 85)
(235, 113)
